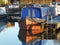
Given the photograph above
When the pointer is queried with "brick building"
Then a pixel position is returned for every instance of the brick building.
(35, 1)
(58, 0)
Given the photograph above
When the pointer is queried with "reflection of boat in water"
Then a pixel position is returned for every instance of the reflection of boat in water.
(29, 27)
(30, 30)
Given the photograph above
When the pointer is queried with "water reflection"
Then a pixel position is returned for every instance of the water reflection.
(10, 36)
(50, 42)
(2, 26)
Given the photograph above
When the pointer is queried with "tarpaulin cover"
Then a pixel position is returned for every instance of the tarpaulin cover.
(32, 12)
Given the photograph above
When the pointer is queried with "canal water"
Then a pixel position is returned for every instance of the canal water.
(9, 36)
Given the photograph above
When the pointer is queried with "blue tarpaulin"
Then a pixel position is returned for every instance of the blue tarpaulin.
(31, 12)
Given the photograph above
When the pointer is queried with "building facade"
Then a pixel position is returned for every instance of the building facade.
(58, 0)
(35, 1)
